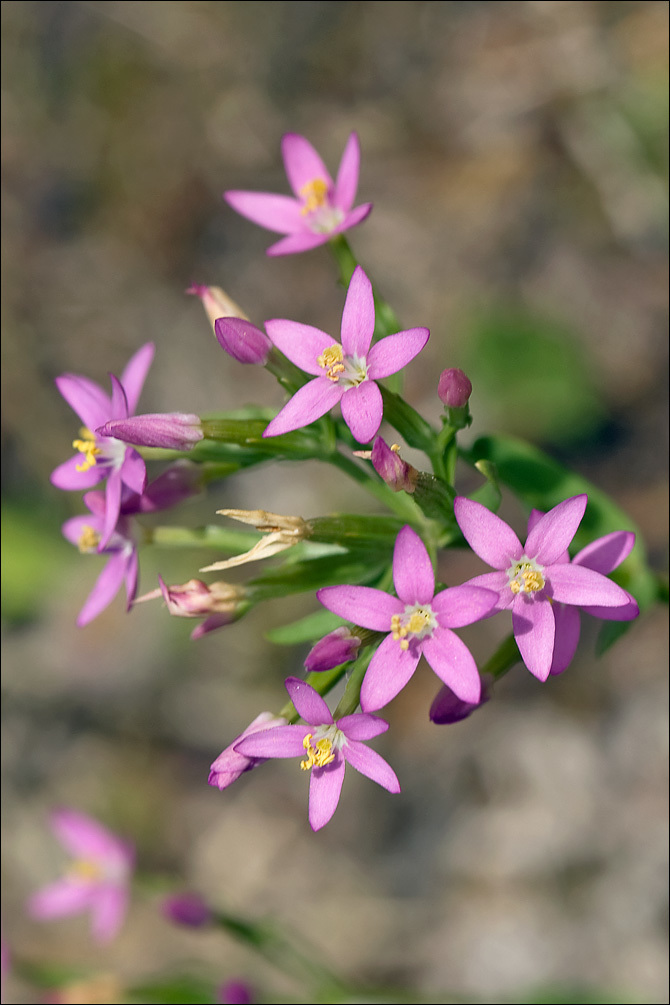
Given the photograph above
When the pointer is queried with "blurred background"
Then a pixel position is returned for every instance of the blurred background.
(516, 155)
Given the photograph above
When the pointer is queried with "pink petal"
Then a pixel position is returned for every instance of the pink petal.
(106, 587)
(280, 213)
(498, 582)
(534, 518)
(489, 537)
(119, 400)
(294, 244)
(371, 764)
(135, 374)
(363, 605)
(86, 398)
(353, 218)
(394, 352)
(346, 182)
(413, 575)
(134, 471)
(453, 663)
(463, 605)
(67, 477)
(575, 584)
(390, 669)
(607, 552)
(567, 637)
(59, 899)
(73, 528)
(307, 405)
(109, 908)
(360, 726)
(302, 163)
(308, 702)
(362, 410)
(210, 624)
(534, 631)
(84, 837)
(113, 507)
(552, 534)
(131, 576)
(624, 613)
(358, 316)
(325, 786)
(280, 741)
(302, 344)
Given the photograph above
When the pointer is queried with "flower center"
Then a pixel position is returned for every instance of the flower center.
(319, 753)
(416, 622)
(88, 446)
(525, 576)
(331, 361)
(315, 194)
(89, 540)
(348, 370)
(85, 870)
(323, 218)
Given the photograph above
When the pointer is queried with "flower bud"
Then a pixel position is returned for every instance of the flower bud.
(243, 341)
(340, 646)
(217, 304)
(447, 708)
(454, 388)
(188, 909)
(170, 430)
(398, 474)
(235, 993)
(220, 604)
(229, 765)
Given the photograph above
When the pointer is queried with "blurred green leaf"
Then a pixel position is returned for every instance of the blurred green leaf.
(306, 629)
(33, 555)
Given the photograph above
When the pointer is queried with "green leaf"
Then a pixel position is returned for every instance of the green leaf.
(311, 574)
(173, 991)
(306, 629)
(489, 493)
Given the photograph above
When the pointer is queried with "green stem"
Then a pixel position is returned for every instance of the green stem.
(222, 538)
(352, 693)
(504, 658)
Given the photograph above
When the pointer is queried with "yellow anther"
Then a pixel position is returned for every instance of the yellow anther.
(526, 579)
(395, 447)
(418, 622)
(318, 756)
(87, 445)
(315, 194)
(84, 869)
(331, 361)
(89, 539)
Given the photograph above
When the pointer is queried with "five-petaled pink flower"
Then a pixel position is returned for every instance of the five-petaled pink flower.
(418, 621)
(97, 881)
(101, 457)
(345, 372)
(603, 556)
(325, 746)
(532, 578)
(320, 208)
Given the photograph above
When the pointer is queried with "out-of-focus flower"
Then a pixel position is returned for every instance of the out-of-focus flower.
(603, 556)
(447, 708)
(218, 603)
(346, 372)
(188, 909)
(454, 388)
(243, 341)
(418, 621)
(320, 208)
(325, 746)
(339, 646)
(531, 579)
(169, 430)
(230, 764)
(217, 303)
(97, 881)
(101, 457)
(389, 465)
(235, 993)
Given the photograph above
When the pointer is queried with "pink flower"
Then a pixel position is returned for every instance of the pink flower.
(97, 881)
(101, 457)
(326, 746)
(230, 764)
(418, 621)
(603, 556)
(343, 373)
(320, 208)
(531, 579)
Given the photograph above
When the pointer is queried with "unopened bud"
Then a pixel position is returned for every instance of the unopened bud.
(389, 465)
(188, 909)
(243, 341)
(340, 646)
(217, 304)
(170, 430)
(235, 993)
(229, 765)
(447, 708)
(454, 388)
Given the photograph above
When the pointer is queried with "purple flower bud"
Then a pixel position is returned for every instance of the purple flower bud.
(340, 646)
(447, 708)
(235, 993)
(170, 430)
(242, 340)
(454, 388)
(398, 474)
(187, 909)
(229, 765)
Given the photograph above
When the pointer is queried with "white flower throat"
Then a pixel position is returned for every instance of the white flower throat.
(526, 576)
(416, 622)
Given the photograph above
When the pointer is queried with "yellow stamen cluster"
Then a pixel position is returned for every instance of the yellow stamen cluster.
(331, 361)
(526, 579)
(319, 755)
(84, 869)
(89, 540)
(414, 626)
(315, 194)
(87, 445)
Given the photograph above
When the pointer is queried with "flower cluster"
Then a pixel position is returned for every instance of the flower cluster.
(375, 576)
